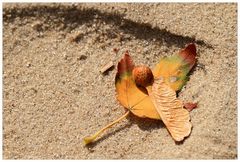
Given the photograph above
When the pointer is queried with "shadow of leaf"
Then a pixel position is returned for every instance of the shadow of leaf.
(146, 124)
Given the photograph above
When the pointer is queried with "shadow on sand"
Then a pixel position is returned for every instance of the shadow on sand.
(78, 15)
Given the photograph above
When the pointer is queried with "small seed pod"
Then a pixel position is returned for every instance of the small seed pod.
(142, 76)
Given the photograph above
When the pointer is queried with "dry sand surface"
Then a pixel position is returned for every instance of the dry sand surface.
(54, 94)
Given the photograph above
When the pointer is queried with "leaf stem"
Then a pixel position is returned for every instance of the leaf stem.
(90, 139)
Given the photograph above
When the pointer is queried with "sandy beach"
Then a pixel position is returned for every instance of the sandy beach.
(54, 93)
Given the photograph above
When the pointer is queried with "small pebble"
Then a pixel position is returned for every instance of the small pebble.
(37, 25)
(29, 65)
(82, 57)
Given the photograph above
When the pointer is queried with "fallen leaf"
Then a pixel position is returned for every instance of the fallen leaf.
(129, 95)
(153, 95)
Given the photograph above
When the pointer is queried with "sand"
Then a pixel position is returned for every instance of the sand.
(54, 94)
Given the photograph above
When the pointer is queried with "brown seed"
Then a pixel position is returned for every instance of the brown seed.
(142, 75)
